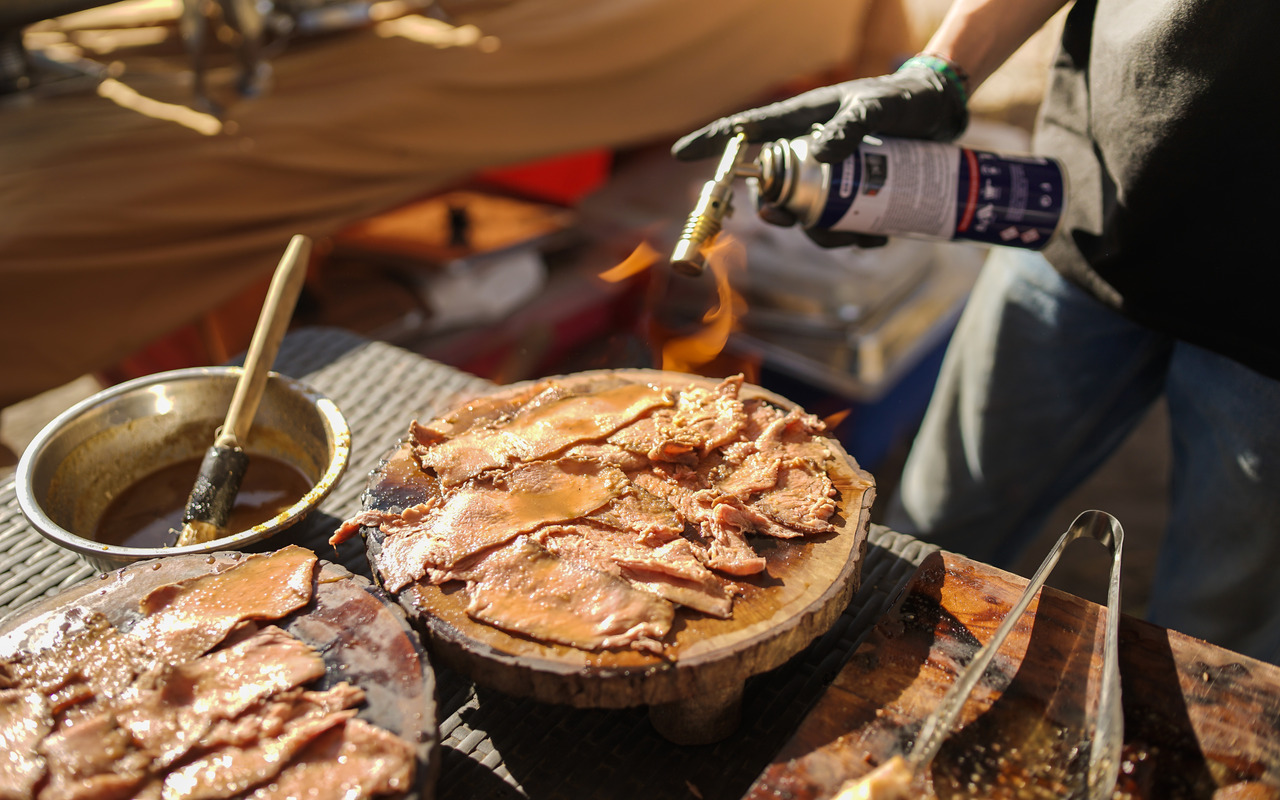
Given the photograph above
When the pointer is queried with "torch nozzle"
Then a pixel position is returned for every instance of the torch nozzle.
(715, 202)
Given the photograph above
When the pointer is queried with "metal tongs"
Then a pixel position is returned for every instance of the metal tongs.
(894, 778)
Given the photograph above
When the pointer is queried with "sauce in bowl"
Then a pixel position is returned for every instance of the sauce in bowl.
(149, 513)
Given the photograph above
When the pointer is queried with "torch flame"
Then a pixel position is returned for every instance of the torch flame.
(687, 353)
(690, 352)
(833, 419)
(643, 257)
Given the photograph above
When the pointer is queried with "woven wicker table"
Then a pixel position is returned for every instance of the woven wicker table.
(495, 746)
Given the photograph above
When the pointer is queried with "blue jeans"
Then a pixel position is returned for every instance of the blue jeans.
(1040, 383)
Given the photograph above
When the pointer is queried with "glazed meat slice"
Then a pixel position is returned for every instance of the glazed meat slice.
(413, 521)
(186, 619)
(649, 439)
(540, 432)
(723, 530)
(709, 419)
(92, 758)
(752, 463)
(234, 769)
(24, 721)
(282, 709)
(608, 453)
(89, 659)
(775, 484)
(700, 421)
(648, 518)
(350, 761)
(672, 571)
(483, 515)
(484, 412)
(804, 500)
(726, 529)
(172, 711)
(732, 514)
(755, 473)
(526, 589)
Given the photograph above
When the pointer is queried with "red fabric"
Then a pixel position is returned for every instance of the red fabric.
(564, 180)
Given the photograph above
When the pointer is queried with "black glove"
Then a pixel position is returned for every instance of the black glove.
(915, 102)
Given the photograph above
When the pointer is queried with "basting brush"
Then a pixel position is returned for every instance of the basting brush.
(222, 469)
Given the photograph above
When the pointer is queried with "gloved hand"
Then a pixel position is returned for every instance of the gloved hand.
(916, 102)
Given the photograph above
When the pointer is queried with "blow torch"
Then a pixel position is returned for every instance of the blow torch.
(715, 202)
(887, 187)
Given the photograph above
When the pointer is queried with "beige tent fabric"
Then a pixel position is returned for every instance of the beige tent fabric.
(117, 227)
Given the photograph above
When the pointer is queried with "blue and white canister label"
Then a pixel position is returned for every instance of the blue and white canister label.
(907, 187)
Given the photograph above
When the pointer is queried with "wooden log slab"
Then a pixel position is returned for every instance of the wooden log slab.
(693, 689)
(1200, 721)
(363, 637)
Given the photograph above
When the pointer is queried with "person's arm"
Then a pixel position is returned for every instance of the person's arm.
(926, 99)
(977, 36)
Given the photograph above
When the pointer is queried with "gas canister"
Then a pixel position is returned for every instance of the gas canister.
(916, 188)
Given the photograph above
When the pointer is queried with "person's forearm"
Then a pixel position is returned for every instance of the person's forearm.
(979, 35)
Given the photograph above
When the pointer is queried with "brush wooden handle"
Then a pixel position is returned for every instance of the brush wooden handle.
(218, 482)
(273, 323)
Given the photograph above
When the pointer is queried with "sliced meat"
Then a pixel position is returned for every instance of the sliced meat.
(777, 483)
(93, 758)
(611, 454)
(232, 770)
(486, 412)
(186, 619)
(524, 588)
(480, 516)
(651, 438)
(172, 712)
(729, 551)
(90, 712)
(730, 512)
(723, 529)
(648, 518)
(803, 497)
(701, 421)
(90, 660)
(672, 571)
(410, 522)
(710, 419)
(756, 473)
(803, 501)
(24, 721)
(351, 761)
(265, 722)
(540, 432)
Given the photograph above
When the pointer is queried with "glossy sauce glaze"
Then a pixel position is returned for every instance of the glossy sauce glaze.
(149, 512)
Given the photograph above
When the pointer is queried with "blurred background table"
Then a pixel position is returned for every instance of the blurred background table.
(494, 745)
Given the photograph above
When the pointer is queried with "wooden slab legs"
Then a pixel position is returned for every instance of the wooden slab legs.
(707, 718)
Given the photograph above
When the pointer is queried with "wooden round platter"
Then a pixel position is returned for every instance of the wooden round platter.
(694, 688)
(363, 637)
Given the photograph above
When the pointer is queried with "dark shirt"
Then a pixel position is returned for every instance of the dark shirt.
(1165, 113)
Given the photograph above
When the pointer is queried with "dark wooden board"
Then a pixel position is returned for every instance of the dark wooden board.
(363, 637)
(806, 586)
(1198, 719)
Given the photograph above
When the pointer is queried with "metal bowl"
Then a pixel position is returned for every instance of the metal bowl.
(89, 454)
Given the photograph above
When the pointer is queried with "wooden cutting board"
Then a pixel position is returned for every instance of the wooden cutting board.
(1198, 719)
(694, 688)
